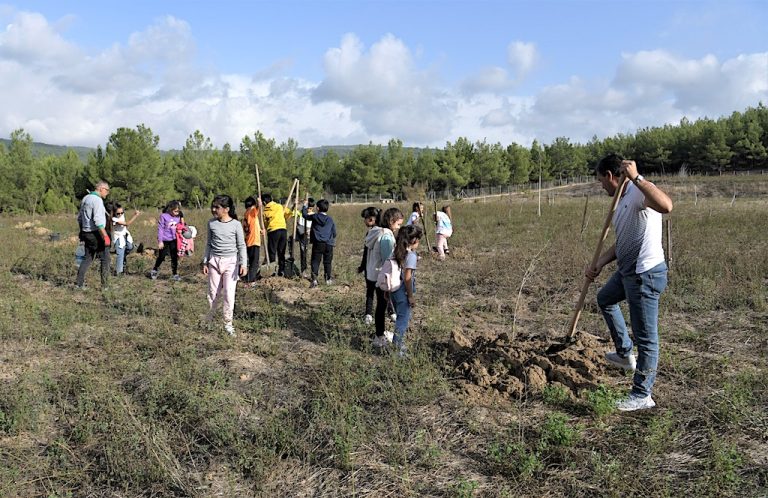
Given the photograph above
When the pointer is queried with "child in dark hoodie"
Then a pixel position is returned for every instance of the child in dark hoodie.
(322, 235)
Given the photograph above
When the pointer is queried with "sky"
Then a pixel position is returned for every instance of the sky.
(334, 72)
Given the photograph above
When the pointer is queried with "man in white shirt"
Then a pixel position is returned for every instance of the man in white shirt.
(640, 278)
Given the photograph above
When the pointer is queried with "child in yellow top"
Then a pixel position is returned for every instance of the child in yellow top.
(277, 236)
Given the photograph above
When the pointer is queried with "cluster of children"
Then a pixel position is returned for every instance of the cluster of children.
(232, 252)
(389, 253)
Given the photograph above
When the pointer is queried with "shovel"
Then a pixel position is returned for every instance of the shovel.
(569, 339)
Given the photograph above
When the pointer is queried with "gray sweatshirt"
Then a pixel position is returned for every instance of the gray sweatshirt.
(225, 240)
(92, 215)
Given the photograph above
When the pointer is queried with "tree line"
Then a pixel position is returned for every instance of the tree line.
(142, 176)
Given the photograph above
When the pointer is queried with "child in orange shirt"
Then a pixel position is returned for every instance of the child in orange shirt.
(253, 233)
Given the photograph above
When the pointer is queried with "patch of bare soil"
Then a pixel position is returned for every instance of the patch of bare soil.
(297, 291)
(515, 368)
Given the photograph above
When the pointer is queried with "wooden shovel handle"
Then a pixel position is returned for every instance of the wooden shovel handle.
(265, 240)
(290, 194)
(598, 251)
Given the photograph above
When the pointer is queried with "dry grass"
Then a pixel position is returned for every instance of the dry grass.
(126, 393)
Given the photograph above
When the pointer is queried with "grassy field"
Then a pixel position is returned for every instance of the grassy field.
(127, 393)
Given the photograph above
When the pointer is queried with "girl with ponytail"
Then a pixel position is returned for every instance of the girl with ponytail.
(225, 258)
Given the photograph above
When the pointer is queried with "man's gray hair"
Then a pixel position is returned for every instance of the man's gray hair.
(102, 183)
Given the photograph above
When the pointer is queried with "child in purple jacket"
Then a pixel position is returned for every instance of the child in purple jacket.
(166, 239)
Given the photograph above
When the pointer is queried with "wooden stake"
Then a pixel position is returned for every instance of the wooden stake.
(584, 216)
(669, 242)
(424, 224)
(261, 217)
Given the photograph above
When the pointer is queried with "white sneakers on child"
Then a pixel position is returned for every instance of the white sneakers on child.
(368, 319)
(230, 329)
(628, 363)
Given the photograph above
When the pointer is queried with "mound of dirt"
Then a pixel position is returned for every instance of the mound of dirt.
(27, 225)
(520, 367)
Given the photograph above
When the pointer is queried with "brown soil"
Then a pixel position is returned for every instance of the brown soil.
(516, 368)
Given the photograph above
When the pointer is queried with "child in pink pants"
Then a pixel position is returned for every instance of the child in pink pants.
(225, 258)
(443, 230)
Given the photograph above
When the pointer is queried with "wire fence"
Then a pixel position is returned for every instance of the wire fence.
(474, 193)
(462, 193)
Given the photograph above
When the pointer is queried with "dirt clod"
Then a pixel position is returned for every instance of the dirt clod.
(520, 366)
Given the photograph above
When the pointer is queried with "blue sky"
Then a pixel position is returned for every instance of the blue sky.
(338, 72)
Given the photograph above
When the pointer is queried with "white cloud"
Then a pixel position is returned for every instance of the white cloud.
(522, 56)
(29, 39)
(649, 88)
(386, 92)
(491, 79)
(64, 94)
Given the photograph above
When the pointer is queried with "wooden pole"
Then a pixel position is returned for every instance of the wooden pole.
(290, 193)
(424, 224)
(595, 257)
(669, 242)
(584, 216)
(261, 217)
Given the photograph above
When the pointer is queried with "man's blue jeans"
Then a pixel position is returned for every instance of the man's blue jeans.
(121, 253)
(399, 300)
(641, 292)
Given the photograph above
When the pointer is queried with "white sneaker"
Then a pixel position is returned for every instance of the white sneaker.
(368, 319)
(230, 329)
(380, 341)
(153, 274)
(634, 402)
(393, 316)
(390, 336)
(628, 363)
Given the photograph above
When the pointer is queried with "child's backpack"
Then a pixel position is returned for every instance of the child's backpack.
(390, 276)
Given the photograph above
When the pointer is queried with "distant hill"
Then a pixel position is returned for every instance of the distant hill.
(41, 149)
(343, 150)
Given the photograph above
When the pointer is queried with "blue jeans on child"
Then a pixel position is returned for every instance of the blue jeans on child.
(642, 293)
(399, 300)
(122, 249)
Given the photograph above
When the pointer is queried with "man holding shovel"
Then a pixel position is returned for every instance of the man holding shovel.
(640, 278)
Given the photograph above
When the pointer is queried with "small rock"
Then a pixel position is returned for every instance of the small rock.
(535, 377)
(458, 342)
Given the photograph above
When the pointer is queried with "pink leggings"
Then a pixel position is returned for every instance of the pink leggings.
(442, 245)
(222, 282)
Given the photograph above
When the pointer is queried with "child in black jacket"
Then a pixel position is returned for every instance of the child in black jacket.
(322, 235)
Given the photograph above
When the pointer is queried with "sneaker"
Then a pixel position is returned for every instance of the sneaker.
(329, 281)
(230, 329)
(627, 363)
(313, 284)
(153, 274)
(389, 336)
(634, 402)
(368, 319)
(176, 278)
(379, 341)
(393, 317)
